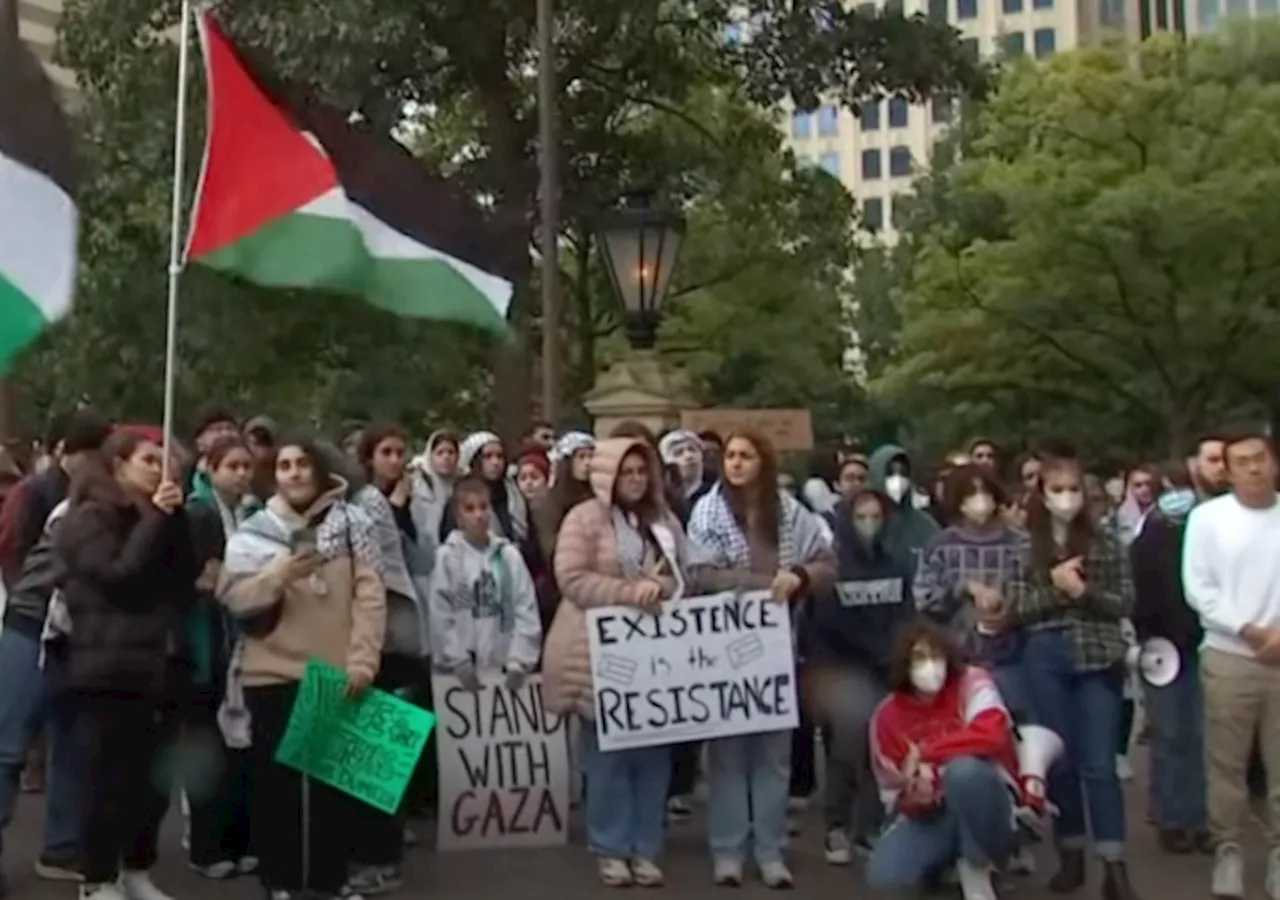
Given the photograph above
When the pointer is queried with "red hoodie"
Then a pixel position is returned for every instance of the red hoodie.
(967, 718)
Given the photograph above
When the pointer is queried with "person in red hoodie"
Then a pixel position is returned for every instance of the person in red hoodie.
(944, 756)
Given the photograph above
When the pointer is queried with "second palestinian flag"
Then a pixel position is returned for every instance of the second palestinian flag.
(295, 195)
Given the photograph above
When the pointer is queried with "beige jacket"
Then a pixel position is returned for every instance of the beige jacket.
(337, 614)
(590, 574)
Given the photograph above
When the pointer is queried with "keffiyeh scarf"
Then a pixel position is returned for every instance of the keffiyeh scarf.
(713, 527)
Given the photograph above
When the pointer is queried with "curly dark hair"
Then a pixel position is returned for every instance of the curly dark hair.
(909, 635)
(963, 483)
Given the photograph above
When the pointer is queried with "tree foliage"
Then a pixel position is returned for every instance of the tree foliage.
(652, 95)
(1101, 264)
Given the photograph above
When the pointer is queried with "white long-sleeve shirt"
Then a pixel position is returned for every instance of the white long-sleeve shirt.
(1231, 570)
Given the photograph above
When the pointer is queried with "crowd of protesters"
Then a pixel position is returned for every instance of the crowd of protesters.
(161, 609)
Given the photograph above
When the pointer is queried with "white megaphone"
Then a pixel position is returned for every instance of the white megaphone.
(1038, 749)
(1156, 659)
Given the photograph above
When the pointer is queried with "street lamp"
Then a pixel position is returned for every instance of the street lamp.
(641, 243)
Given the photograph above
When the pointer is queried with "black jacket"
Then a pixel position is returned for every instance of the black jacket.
(28, 602)
(126, 572)
(1159, 607)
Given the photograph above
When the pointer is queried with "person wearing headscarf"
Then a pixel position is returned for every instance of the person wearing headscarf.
(1139, 499)
(433, 475)
(908, 530)
(681, 449)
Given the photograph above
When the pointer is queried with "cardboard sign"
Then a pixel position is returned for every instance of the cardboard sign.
(789, 430)
(366, 747)
(504, 767)
(704, 668)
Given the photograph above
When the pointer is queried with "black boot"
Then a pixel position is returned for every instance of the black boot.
(1115, 882)
(1070, 875)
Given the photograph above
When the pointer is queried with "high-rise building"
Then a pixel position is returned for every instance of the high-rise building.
(877, 151)
(38, 26)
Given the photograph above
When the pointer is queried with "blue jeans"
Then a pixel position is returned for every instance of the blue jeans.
(1084, 708)
(975, 821)
(626, 798)
(1011, 680)
(749, 780)
(1176, 713)
(27, 706)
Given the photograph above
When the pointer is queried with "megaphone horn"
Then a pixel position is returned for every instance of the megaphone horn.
(1157, 660)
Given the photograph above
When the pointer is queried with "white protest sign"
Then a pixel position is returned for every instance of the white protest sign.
(704, 668)
(504, 767)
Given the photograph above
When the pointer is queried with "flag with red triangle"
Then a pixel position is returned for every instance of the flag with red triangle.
(294, 193)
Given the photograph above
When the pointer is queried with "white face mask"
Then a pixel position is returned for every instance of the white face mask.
(978, 508)
(1064, 505)
(896, 486)
(929, 675)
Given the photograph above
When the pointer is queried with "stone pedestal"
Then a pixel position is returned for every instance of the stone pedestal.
(640, 388)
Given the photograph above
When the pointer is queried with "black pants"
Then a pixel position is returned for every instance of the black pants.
(216, 779)
(277, 805)
(684, 769)
(126, 796)
(377, 838)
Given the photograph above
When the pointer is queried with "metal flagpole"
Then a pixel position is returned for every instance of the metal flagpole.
(175, 234)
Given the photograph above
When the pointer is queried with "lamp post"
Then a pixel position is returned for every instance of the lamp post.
(641, 244)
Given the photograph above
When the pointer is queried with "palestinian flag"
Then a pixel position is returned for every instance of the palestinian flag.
(296, 194)
(38, 218)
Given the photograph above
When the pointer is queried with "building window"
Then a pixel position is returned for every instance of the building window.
(802, 126)
(1013, 45)
(733, 34)
(1111, 13)
(873, 214)
(828, 120)
(966, 9)
(1042, 4)
(1268, 7)
(898, 112)
(870, 115)
(942, 108)
(899, 210)
(830, 163)
(970, 48)
(938, 10)
(899, 161)
(1210, 12)
(1011, 7)
(1045, 41)
(871, 165)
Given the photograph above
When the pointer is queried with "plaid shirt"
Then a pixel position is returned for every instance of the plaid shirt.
(1090, 623)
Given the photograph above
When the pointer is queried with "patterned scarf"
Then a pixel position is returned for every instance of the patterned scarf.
(715, 529)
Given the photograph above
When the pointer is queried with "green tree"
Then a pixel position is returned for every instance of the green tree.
(457, 80)
(1122, 285)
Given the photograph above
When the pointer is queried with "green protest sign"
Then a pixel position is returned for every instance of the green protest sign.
(367, 747)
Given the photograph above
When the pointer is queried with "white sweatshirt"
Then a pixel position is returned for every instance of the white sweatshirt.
(1231, 570)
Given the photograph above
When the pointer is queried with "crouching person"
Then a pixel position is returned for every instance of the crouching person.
(946, 762)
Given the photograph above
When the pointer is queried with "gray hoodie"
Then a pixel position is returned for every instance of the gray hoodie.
(484, 609)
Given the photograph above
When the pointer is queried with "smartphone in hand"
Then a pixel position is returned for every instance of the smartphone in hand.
(303, 541)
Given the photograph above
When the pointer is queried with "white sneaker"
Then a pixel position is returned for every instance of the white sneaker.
(975, 881)
(777, 876)
(1273, 874)
(727, 872)
(139, 886)
(614, 872)
(1228, 871)
(1124, 769)
(838, 849)
(108, 891)
(646, 873)
(1022, 862)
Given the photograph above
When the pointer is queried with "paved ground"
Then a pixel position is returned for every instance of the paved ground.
(567, 874)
